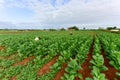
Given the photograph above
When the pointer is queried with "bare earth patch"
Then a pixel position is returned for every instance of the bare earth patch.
(13, 78)
(25, 61)
(46, 68)
(11, 56)
(111, 72)
(1, 57)
(86, 71)
(61, 72)
(1, 47)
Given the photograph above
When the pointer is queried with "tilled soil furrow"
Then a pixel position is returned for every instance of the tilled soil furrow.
(86, 71)
(111, 72)
(46, 68)
(24, 62)
(1, 47)
(13, 78)
(61, 72)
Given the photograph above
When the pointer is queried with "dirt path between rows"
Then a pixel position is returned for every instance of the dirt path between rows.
(24, 62)
(61, 72)
(13, 78)
(11, 56)
(86, 71)
(46, 68)
(111, 72)
(1, 47)
(8, 57)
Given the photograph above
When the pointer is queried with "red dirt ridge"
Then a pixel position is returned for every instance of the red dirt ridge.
(1, 47)
(111, 72)
(86, 71)
(61, 72)
(11, 56)
(13, 78)
(25, 61)
(46, 68)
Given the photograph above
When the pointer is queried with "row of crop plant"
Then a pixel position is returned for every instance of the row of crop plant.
(75, 64)
(43, 50)
(97, 63)
(73, 57)
(111, 44)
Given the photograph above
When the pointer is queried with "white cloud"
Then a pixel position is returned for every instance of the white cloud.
(78, 12)
(104, 12)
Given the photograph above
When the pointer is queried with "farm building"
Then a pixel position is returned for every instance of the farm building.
(114, 30)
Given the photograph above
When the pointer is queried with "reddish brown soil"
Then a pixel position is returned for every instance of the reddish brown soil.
(86, 71)
(13, 78)
(46, 68)
(25, 61)
(111, 72)
(1, 47)
(61, 72)
(11, 56)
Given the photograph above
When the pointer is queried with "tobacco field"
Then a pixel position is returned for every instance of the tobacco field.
(59, 55)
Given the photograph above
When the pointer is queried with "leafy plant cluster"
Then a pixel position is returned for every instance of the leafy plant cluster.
(97, 63)
(70, 56)
(75, 64)
(23, 45)
(111, 45)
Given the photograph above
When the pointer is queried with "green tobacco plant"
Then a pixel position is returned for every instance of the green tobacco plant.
(97, 75)
(111, 44)
(98, 61)
(72, 69)
(115, 60)
(50, 44)
(6, 63)
(68, 77)
(118, 74)
(97, 48)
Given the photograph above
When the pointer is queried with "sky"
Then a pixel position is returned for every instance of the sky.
(45, 14)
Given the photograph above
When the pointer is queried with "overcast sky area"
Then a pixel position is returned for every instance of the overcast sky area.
(44, 14)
